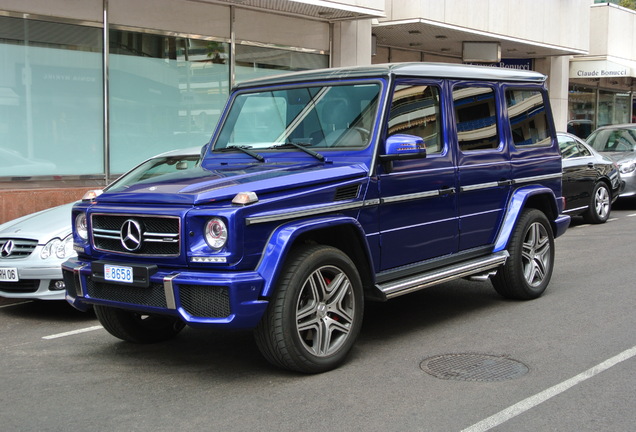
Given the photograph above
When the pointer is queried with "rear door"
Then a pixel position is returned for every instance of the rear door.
(484, 173)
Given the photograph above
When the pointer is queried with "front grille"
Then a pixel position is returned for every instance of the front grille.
(205, 301)
(159, 234)
(20, 248)
(153, 295)
(21, 287)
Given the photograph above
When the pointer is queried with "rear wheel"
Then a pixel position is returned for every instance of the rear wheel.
(137, 327)
(600, 205)
(527, 272)
(316, 312)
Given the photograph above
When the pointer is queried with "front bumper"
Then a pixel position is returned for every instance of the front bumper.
(201, 299)
(42, 283)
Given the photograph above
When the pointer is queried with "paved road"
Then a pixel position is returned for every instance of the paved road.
(59, 371)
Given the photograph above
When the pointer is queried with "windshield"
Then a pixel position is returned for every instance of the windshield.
(317, 117)
(154, 167)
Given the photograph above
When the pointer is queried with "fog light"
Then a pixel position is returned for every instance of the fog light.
(57, 285)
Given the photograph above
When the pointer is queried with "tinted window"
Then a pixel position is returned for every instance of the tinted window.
(528, 119)
(415, 110)
(476, 118)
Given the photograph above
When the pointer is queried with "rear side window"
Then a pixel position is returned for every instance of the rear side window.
(476, 118)
(528, 119)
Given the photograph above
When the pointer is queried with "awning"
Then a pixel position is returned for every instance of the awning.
(602, 67)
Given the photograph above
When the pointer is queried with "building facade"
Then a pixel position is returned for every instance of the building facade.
(89, 88)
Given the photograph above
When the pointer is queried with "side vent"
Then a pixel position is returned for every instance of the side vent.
(347, 192)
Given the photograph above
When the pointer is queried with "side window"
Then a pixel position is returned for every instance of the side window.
(476, 118)
(415, 110)
(569, 148)
(528, 119)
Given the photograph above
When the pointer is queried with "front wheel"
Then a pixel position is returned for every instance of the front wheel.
(528, 270)
(137, 327)
(600, 205)
(316, 312)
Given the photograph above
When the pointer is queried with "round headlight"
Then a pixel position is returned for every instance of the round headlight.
(216, 233)
(627, 167)
(80, 226)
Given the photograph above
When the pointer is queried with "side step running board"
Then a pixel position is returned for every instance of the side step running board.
(417, 282)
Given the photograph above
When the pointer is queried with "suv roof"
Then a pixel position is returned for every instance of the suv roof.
(427, 70)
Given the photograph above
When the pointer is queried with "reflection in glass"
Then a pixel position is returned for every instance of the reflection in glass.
(475, 116)
(528, 119)
(165, 93)
(50, 99)
(415, 110)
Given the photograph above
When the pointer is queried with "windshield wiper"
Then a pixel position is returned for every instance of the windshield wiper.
(245, 150)
(301, 146)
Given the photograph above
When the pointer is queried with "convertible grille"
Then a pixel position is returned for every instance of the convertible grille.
(158, 236)
(18, 248)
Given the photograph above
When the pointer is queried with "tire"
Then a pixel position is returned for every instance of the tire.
(136, 327)
(600, 205)
(315, 314)
(527, 271)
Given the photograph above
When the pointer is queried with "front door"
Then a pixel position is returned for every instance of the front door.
(418, 201)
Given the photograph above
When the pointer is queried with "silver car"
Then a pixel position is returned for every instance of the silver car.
(33, 247)
(618, 142)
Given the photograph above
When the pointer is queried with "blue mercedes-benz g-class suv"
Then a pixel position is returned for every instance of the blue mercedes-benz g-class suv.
(320, 190)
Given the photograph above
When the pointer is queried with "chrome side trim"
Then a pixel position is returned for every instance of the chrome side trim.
(414, 283)
(305, 212)
(575, 209)
(538, 178)
(329, 208)
(411, 196)
(478, 186)
(169, 291)
(79, 289)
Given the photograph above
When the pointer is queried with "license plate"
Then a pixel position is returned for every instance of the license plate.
(9, 274)
(118, 273)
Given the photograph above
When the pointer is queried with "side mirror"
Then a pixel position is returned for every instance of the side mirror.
(403, 146)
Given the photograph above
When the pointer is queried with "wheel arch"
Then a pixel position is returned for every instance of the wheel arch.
(537, 197)
(344, 233)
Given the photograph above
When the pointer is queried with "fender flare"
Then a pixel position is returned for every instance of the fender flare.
(283, 237)
(516, 205)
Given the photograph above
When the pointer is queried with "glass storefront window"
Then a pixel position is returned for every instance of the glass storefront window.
(613, 108)
(256, 61)
(590, 108)
(165, 93)
(51, 113)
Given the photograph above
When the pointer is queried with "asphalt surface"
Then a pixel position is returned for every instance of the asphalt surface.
(60, 371)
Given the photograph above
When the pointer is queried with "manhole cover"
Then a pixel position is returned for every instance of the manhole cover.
(473, 367)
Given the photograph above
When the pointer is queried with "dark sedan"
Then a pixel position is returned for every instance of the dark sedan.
(591, 181)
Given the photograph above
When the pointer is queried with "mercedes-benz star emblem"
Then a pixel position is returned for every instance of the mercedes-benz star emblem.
(130, 235)
(7, 248)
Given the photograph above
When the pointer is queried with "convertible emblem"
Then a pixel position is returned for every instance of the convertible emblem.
(7, 248)
(130, 235)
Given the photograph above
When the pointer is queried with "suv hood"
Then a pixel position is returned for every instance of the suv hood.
(223, 182)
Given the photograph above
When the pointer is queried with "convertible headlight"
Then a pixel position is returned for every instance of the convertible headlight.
(80, 226)
(50, 248)
(65, 248)
(627, 167)
(59, 248)
(216, 233)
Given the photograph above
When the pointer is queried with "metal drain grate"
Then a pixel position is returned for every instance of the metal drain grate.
(473, 367)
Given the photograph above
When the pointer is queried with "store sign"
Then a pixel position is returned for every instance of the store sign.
(598, 69)
(518, 64)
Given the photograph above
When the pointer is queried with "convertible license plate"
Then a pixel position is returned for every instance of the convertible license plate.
(9, 274)
(118, 273)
